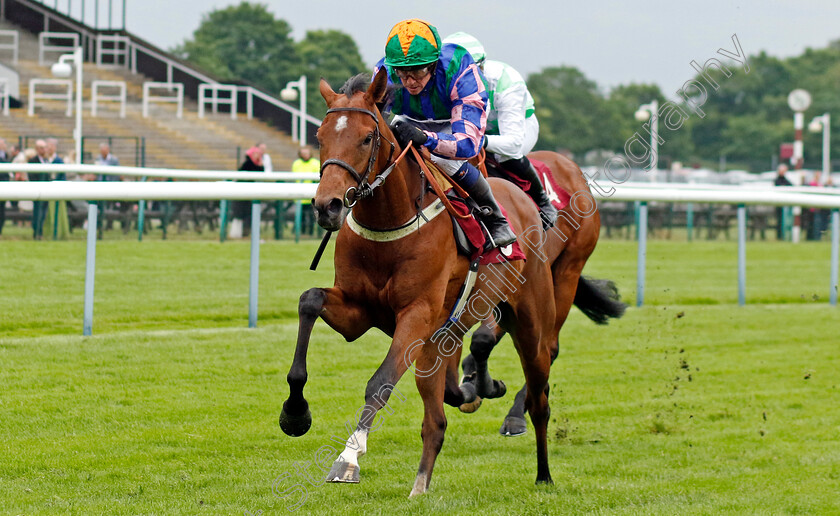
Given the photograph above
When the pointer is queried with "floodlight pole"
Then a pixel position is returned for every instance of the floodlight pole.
(652, 110)
(76, 59)
(288, 94)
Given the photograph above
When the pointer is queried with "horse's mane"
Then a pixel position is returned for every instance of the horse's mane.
(359, 83)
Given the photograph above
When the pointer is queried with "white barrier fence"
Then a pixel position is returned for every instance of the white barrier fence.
(62, 190)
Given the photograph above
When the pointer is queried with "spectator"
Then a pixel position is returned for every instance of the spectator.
(266, 159)
(39, 208)
(781, 180)
(4, 176)
(306, 163)
(106, 159)
(241, 224)
(52, 153)
(56, 222)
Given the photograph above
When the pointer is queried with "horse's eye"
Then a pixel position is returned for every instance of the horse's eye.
(368, 139)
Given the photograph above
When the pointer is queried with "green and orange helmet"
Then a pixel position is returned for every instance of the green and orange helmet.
(412, 43)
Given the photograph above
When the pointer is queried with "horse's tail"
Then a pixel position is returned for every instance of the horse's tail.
(599, 299)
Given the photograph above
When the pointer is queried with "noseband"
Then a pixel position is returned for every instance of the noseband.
(362, 189)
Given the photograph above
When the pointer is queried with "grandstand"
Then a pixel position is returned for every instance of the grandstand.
(162, 139)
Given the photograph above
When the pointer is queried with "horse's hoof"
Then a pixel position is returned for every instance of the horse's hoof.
(496, 389)
(295, 426)
(420, 485)
(514, 426)
(469, 408)
(471, 399)
(343, 473)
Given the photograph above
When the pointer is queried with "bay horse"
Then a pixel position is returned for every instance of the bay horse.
(397, 269)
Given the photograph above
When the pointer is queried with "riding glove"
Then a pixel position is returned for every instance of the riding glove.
(407, 132)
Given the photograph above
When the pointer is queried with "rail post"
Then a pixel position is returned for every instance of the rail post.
(640, 265)
(253, 295)
(742, 255)
(90, 269)
(835, 254)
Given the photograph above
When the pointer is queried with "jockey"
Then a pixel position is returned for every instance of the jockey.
(512, 126)
(441, 105)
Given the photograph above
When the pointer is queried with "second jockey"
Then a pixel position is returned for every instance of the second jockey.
(512, 126)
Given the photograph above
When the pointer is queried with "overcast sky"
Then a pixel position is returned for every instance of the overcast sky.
(611, 42)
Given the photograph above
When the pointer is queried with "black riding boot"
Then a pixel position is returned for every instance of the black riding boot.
(496, 223)
(523, 168)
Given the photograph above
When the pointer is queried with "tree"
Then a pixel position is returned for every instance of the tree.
(572, 111)
(243, 42)
(330, 54)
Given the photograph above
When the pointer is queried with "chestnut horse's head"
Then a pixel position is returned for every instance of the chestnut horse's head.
(350, 141)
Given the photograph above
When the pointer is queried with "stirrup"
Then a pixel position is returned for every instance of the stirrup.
(504, 240)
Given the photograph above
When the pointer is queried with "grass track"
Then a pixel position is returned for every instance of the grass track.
(689, 405)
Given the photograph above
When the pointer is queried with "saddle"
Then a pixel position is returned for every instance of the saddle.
(471, 237)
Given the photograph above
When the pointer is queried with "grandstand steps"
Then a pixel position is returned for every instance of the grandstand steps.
(215, 142)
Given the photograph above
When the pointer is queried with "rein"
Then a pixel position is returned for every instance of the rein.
(436, 187)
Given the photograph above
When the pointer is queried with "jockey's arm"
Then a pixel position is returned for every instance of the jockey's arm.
(469, 118)
(510, 110)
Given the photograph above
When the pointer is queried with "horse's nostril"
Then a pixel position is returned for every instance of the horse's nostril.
(334, 207)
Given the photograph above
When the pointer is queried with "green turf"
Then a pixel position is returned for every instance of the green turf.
(688, 405)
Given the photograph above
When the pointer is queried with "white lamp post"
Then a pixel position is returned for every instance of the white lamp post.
(823, 123)
(290, 94)
(651, 111)
(63, 68)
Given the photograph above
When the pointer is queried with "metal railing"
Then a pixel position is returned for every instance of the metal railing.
(214, 100)
(34, 95)
(13, 46)
(45, 48)
(177, 99)
(97, 97)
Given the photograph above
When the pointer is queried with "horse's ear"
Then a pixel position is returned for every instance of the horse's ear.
(377, 89)
(327, 92)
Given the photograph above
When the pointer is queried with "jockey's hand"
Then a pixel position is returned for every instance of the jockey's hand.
(407, 132)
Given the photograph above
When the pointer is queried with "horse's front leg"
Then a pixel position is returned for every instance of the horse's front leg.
(432, 388)
(404, 349)
(348, 319)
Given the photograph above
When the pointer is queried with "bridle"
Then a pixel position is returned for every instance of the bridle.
(363, 188)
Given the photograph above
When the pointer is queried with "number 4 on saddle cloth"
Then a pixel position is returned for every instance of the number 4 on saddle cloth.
(469, 235)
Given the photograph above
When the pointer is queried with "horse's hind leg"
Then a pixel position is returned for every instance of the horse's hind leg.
(534, 342)
(484, 339)
(515, 424)
(536, 367)
(566, 274)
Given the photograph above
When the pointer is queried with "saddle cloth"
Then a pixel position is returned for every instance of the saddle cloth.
(559, 197)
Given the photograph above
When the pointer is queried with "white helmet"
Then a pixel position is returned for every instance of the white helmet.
(472, 45)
